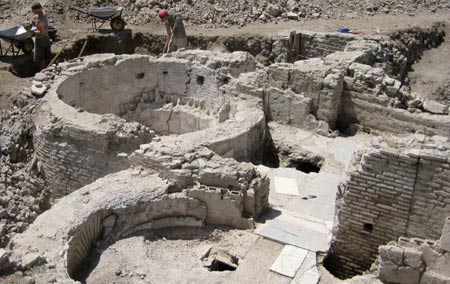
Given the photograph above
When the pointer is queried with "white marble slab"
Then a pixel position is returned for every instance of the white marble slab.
(289, 261)
(285, 185)
(308, 272)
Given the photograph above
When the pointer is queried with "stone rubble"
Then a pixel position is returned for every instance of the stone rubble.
(225, 13)
(415, 261)
(200, 166)
(22, 192)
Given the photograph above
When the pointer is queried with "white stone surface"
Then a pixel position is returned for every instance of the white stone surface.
(444, 241)
(38, 89)
(289, 260)
(300, 231)
(307, 273)
(435, 107)
(285, 185)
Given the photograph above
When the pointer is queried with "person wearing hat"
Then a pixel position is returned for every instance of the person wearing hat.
(176, 33)
(42, 50)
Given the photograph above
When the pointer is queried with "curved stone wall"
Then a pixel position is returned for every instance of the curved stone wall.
(134, 201)
(99, 110)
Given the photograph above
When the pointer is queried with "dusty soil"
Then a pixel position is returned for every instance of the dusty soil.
(430, 76)
(10, 85)
(175, 256)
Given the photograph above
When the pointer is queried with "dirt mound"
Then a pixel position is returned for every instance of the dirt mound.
(223, 13)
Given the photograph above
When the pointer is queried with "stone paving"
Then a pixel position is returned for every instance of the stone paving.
(304, 205)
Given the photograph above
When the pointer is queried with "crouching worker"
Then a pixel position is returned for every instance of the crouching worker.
(176, 34)
(42, 50)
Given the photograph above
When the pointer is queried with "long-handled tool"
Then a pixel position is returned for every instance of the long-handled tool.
(57, 55)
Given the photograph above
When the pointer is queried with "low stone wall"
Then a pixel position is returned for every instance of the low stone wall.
(322, 44)
(389, 193)
(201, 189)
(415, 261)
(359, 83)
(230, 189)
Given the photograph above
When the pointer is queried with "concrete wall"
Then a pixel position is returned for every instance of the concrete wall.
(388, 194)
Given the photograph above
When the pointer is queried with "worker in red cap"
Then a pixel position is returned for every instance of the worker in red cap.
(176, 34)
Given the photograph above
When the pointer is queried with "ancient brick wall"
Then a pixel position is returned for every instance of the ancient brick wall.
(321, 44)
(388, 194)
(71, 158)
(431, 201)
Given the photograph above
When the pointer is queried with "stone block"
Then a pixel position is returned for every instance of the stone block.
(31, 259)
(408, 275)
(431, 277)
(38, 89)
(388, 272)
(391, 253)
(435, 107)
(444, 241)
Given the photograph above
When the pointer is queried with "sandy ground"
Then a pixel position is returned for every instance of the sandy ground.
(9, 86)
(432, 71)
(175, 256)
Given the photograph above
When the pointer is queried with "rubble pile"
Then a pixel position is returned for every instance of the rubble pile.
(22, 197)
(224, 13)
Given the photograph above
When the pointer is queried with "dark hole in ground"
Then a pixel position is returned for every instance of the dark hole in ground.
(140, 75)
(270, 152)
(200, 80)
(334, 265)
(217, 265)
(303, 166)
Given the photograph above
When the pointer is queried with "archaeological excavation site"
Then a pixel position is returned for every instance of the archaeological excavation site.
(303, 158)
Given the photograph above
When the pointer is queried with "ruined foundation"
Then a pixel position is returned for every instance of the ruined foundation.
(134, 143)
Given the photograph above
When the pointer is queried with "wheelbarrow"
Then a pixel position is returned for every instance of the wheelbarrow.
(104, 14)
(19, 39)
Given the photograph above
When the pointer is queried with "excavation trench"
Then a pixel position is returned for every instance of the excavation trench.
(170, 98)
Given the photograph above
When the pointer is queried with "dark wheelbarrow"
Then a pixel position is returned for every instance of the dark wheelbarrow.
(19, 39)
(104, 14)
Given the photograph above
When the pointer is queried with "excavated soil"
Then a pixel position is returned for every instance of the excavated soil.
(182, 256)
(170, 256)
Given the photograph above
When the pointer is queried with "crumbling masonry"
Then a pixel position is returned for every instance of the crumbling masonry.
(134, 143)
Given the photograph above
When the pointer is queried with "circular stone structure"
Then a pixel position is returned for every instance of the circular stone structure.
(100, 109)
(156, 135)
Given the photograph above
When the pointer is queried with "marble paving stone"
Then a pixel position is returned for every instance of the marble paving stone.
(289, 261)
(285, 185)
(318, 199)
(307, 273)
(299, 235)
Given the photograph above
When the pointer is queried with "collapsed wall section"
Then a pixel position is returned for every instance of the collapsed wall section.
(387, 194)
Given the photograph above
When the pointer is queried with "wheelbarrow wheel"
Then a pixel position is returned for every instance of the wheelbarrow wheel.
(117, 24)
(27, 46)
